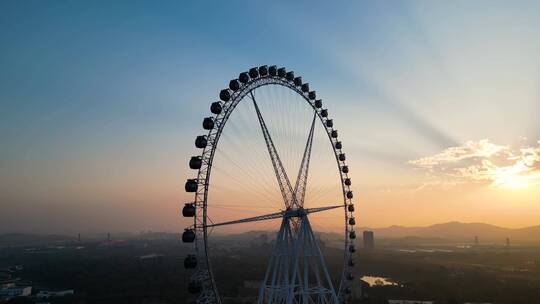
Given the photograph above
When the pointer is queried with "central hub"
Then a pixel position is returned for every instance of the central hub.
(299, 212)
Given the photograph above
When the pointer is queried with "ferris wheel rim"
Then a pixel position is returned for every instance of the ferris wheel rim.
(230, 98)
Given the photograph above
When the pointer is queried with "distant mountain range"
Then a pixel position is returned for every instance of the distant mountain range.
(453, 231)
(459, 231)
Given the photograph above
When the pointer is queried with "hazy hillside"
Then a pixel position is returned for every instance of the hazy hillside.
(455, 231)
(460, 231)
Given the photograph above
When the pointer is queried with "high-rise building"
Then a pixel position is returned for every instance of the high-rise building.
(369, 240)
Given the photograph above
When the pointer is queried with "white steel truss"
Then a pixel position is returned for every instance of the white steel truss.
(296, 273)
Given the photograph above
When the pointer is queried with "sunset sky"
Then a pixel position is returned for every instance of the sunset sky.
(437, 104)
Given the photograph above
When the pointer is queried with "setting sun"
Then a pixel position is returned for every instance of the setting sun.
(510, 180)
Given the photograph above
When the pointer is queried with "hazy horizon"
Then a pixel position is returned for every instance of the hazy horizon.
(437, 105)
(93, 233)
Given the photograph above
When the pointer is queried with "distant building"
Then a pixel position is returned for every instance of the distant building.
(369, 240)
(260, 240)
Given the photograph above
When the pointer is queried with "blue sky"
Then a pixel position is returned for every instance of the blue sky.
(99, 98)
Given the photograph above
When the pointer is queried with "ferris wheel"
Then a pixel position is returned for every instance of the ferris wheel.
(296, 271)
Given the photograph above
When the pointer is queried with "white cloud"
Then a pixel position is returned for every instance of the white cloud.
(483, 162)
